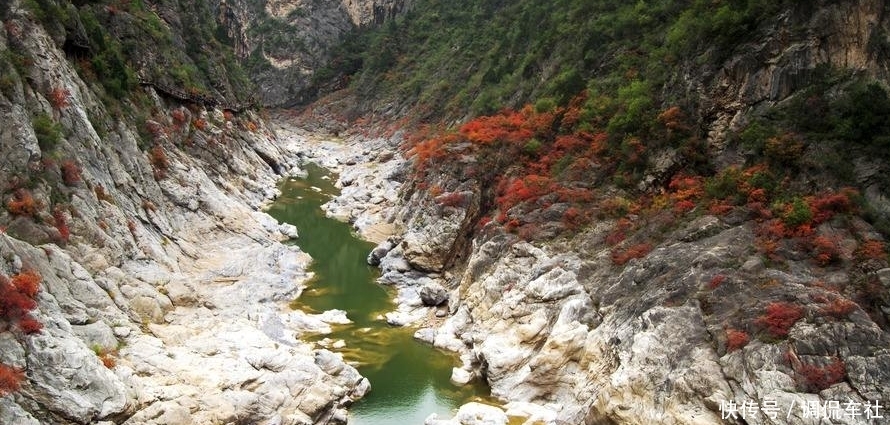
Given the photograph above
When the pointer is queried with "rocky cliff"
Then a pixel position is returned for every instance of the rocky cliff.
(284, 43)
(161, 290)
(662, 301)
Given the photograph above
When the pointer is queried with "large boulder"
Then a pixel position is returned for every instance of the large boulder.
(433, 294)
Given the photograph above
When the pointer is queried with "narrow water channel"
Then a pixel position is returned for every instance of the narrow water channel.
(409, 380)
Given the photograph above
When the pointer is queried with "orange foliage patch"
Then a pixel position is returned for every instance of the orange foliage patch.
(871, 250)
(736, 339)
(58, 97)
(26, 282)
(621, 257)
(70, 172)
(10, 379)
(817, 378)
(838, 308)
(779, 318)
(22, 203)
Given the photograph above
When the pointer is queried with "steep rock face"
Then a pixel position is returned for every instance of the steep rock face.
(285, 42)
(563, 333)
(843, 35)
(163, 292)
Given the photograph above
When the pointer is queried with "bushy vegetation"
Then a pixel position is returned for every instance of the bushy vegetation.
(448, 58)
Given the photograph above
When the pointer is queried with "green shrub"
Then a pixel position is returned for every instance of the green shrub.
(48, 132)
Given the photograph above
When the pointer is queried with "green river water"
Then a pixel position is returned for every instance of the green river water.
(409, 380)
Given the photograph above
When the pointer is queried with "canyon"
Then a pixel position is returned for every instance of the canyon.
(166, 290)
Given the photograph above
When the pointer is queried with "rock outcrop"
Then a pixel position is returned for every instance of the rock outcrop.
(284, 43)
(164, 289)
(565, 334)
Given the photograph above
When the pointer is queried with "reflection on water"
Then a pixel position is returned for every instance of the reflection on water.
(409, 380)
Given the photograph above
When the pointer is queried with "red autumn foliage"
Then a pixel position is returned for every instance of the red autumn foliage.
(61, 223)
(179, 117)
(17, 300)
(30, 325)
(838, 308)
(716, 281)
(154, 128)
(719, 208)
(619, 232)
(22, 203)
(70, 172)
(158, 159)
(736, 339)
(871, 250)
(483, 222)
(674, 119)
(621, 257)
(825, 206)
(452, 199)
(58, 97)
(684, 206)
(574, 218)
(10, 379)
(508, 126)
(685, 187)
(523, 189)
(200, 123)
(817, 378)
(779, 318)
(27, 282)
(825, 250)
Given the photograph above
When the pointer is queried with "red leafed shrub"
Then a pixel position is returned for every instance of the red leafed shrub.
(154, 128)
(61, 223)
(27, 282)
(200, 123)
(817, 378)
(825, 250)
(684, 206)
(452, 199)
(779, 318)
(228, 115)
(483, 222)
(716, 281)
(22, 203)
(17, 300)
(179, 117)
(871, 250)
(58, 97)
(619, 233)
(70, 172)
(686, 187)
(507, 126)
(719, 208)
(736, 339)
(574, 218)
(826, 206)
(10, 379)
(673, 118)
(838, 308)
(636, 251)
(160, 163)
(429, 149)
(524, 189)
(30, 325)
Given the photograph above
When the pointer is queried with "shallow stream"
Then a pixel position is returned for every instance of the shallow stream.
(409, 380)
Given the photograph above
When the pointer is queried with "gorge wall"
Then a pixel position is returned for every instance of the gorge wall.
(285, 43)
(659, 299)
(134, 199)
